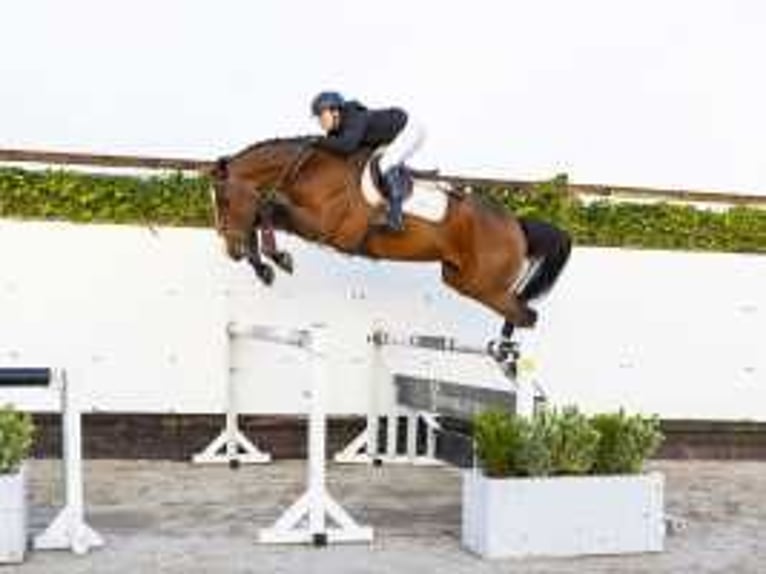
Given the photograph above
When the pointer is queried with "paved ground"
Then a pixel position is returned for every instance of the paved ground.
(172, 517)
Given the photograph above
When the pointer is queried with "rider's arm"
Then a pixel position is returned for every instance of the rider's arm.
(349, 138)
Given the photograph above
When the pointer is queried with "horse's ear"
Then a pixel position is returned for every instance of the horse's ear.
(220, 170)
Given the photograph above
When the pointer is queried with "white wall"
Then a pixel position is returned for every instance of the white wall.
(139, 321)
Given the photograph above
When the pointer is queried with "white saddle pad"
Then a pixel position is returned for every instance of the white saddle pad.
(429, 199)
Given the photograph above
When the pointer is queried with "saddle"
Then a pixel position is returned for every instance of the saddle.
(426, 195)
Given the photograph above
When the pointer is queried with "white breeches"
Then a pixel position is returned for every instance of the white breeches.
(404, 146)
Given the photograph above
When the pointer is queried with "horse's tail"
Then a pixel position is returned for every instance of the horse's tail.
(552, 246)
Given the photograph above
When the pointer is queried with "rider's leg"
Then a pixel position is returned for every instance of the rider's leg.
(404, 146)
(396, 183)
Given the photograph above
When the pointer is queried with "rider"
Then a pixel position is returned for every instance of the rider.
(350, 126)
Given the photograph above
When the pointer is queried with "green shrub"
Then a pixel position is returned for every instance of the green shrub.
(572, 440)
(625, 443)
(553, 442)
(16, 433)
(563, 442)
(500, 441)
(535, 456)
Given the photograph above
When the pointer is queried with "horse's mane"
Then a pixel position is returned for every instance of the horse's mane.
(292, 141)
(221, 167)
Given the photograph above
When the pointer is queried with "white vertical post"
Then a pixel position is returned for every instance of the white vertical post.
(380, 381)
(69, 529)
(317, 432)
(232, 416)
(430, 445)
(525, 389)
(71, 426)
(412, 435)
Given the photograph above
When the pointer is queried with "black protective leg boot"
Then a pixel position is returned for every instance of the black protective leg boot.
(396, 191)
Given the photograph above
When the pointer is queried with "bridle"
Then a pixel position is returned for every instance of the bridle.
(263, 197)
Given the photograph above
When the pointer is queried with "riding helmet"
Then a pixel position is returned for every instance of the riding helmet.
(325, 101)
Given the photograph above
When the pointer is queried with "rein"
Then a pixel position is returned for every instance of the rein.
(291, 170)
(265, 199)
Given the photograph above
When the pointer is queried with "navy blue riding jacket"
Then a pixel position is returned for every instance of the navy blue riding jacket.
(360, 127)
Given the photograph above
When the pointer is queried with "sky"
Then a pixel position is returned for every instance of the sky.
(650, 92)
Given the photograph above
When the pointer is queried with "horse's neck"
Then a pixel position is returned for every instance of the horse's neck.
(326, 178)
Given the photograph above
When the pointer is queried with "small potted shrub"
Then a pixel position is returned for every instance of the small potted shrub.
(16, 432)
(562, 484)
(625, 442)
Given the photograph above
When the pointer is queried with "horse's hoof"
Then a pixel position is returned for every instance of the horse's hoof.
(264, 272)
(284, 261)
(503, 350)
(530, 317)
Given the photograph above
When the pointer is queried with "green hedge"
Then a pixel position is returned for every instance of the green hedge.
(175, 199)
(180, 200)
(656, 225)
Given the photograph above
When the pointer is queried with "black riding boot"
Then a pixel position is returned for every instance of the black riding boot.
(395, 182)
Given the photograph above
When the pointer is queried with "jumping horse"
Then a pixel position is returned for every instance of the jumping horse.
(291, 185)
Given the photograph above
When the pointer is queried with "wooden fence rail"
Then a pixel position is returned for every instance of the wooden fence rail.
(188, 164)
(102, 160)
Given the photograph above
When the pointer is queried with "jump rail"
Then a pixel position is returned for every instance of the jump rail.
(22, 387)
(421, 401)
(526, 391)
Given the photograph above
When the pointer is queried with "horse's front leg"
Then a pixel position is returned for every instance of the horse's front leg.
(269, 248)
(263, 271)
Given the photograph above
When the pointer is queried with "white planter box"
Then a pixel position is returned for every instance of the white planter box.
(13, 517)
(562, 516)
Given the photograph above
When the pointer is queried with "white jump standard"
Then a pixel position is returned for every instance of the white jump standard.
(315, 518)
(231, 446)
(47, 389)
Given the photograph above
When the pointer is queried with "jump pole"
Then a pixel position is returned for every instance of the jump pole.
(366, 448)
(526, 389)
(307, 520)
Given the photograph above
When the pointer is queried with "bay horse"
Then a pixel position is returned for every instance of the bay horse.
(291, 185)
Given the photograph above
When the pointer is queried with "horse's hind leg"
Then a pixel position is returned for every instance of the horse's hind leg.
(514, 309)
(516, 314)
(507, 304)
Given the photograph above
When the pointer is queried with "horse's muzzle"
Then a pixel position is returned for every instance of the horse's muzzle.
(236, 246)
